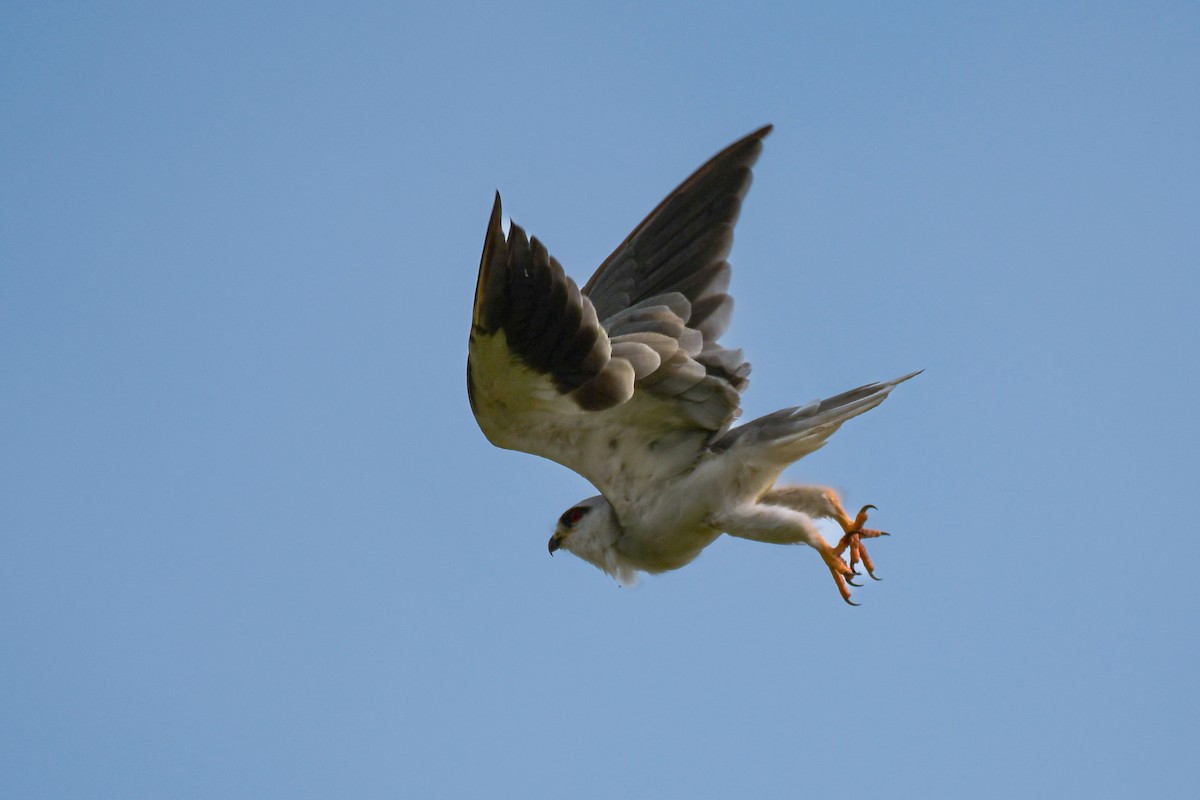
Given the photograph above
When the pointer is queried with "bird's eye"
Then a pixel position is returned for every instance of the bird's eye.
(572, 516)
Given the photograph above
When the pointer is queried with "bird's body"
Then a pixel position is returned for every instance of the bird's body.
(625, 383)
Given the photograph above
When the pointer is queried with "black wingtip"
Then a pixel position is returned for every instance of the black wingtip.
(753, 139)
(489, 288)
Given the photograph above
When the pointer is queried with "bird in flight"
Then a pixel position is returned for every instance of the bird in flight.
(624, 381)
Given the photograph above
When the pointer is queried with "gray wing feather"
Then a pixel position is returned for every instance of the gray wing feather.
(641, 356)
(682, 244)
(792, 433)
(674, 264)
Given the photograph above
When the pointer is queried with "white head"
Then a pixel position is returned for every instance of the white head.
(589, 529)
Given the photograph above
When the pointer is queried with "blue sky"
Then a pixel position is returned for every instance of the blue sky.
(254, 545)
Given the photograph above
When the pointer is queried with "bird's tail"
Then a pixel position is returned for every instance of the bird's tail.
(792, 433)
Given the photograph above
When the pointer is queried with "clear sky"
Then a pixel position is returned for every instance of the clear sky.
(252, 543)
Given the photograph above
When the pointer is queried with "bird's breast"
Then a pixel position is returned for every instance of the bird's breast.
(665, 529)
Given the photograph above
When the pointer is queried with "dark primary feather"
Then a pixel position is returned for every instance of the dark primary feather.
(546, 322)
(682, 244)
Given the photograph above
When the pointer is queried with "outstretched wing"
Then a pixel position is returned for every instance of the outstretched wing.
(624, 381)
(786, 436)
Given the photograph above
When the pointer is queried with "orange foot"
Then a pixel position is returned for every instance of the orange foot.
(840, 571)
(852, 539)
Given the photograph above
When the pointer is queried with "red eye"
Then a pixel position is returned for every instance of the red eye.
(571, 516)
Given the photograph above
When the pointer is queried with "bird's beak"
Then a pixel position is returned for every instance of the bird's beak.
(555, 543)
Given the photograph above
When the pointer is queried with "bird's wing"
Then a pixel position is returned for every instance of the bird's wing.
(681, 247)
(786, 436)
(622, 382)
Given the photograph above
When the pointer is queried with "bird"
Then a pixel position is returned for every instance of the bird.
(626, 383)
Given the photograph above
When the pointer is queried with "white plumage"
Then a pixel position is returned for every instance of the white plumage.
(625, 383)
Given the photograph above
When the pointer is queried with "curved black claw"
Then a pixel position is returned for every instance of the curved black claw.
(872, 574)
(868, 505)
(855, 585)
(850, 602)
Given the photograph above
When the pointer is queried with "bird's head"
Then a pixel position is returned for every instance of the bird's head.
(589, 529)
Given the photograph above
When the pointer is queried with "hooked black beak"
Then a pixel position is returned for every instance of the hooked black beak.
(555, 543)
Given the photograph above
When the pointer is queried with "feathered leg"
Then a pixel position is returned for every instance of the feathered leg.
(822, 502)
(775, 524)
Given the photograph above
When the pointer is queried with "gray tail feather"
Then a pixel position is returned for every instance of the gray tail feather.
(793, 433)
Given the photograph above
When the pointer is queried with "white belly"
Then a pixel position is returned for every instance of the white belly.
(672, 528)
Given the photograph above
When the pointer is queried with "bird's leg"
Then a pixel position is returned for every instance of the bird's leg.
(819, 501)
(775, 523)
